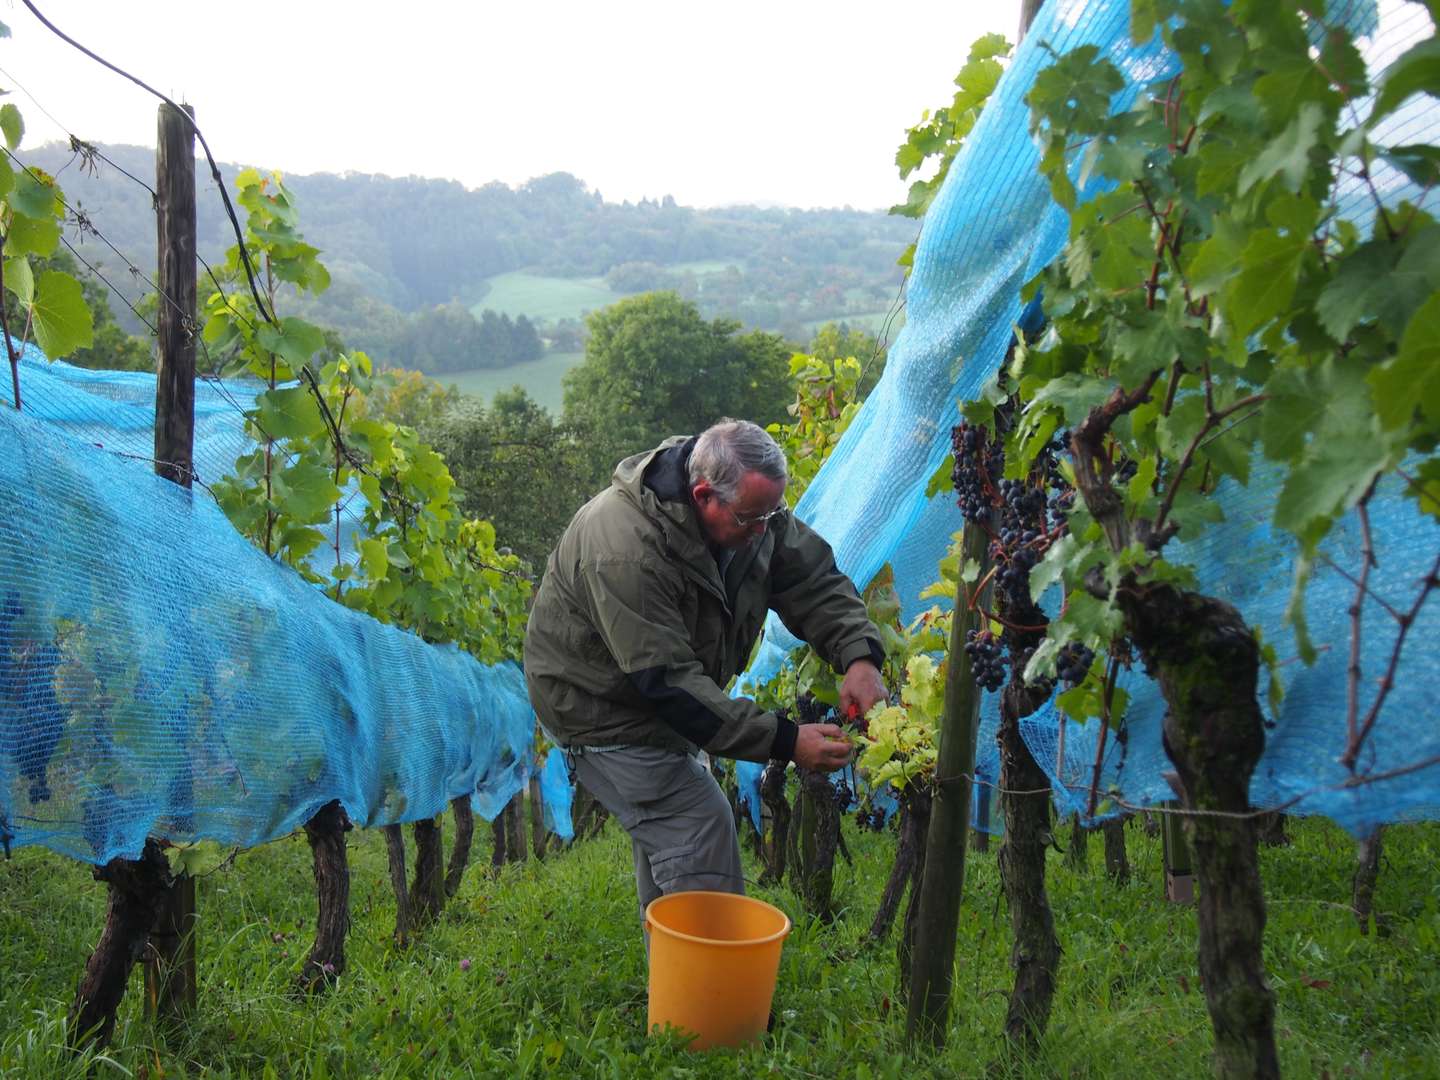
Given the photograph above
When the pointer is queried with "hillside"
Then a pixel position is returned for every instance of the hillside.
(550, 249)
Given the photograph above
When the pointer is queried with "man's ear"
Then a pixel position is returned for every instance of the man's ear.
(702, 491)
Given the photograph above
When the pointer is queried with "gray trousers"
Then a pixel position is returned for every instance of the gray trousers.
(681, 828)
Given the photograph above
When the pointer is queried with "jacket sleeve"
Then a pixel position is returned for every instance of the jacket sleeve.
(817, 603)
(636, 605)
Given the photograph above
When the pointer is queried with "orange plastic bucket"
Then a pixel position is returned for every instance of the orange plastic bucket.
(713, 961)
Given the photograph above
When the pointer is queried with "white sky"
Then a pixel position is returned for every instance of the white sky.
(794, 102)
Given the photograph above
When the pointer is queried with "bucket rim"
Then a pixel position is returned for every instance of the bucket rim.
(658, 927)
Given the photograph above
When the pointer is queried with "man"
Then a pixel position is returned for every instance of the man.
(650, 603)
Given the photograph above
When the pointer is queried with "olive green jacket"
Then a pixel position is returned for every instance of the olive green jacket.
(634, 633)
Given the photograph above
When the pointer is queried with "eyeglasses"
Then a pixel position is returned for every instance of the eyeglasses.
(750, 520)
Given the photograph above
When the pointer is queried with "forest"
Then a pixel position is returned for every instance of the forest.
(408, 254)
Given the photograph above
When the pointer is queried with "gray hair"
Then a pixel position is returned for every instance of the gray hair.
(728, 450)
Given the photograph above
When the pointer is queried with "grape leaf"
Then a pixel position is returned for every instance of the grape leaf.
(61, 318)
(1413, 377)
(1416, 71)
(12, 125)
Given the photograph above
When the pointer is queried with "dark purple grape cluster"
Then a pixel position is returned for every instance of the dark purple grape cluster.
(811, 710)
(871, 819)
(843, 795)
(978, 461)
(987, 658)
(1022, 513)
(1073, 663)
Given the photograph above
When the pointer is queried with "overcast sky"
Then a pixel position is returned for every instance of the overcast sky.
(792, 102)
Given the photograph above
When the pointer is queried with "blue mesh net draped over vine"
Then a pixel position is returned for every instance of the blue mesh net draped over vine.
(159, 676)
(992, 227)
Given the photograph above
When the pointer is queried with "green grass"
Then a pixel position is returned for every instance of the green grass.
(538, 296)
(550, 298)
(556, 983)
(540, 378)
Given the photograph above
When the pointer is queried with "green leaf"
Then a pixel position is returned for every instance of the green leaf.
(1288, 155)
(1216, 260)
(295, 340)
(34, 195)
(986, 46)
(12, 125)
(20, 279)
(1412, 378)
(1267, 282)
(32, 236)
(304, 491)
(1073, 394)
(1418, 161)
(941, 478)
(289, 412)
(1416, 72)
(1327, 482)
(1424, 487)
(60, 316)
(374, 559)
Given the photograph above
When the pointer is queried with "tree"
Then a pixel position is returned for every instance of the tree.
(654, 367)
(411, 400)
(516, 467)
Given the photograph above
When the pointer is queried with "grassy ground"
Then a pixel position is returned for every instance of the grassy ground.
(540, 297)
(542, 972)
(540, 378)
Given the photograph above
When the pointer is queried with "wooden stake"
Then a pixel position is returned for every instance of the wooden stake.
(170, 968)
(937, 916)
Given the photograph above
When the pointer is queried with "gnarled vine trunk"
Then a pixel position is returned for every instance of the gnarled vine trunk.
(902, 872)
(395, 855)
(1117, 861)
(1207, 662)
(1035, 950)
(772, 794)
(818, 840)
(919, 802)
(427, 891)
(326, 834)
(460, 849)
(136, 888)
(1367, 872)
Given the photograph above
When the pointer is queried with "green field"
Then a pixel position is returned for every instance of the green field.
(540, 378)
(549, 298)
(537, 296)
(540, 971)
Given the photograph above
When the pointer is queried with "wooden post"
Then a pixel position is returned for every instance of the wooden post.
(170, 978)
(941, 887)
(1179, 873)
(1028, 10)
(175, 237)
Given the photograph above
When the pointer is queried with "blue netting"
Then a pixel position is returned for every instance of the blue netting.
(747, 781)
(994, 226)
(160, 676)
(557, 795)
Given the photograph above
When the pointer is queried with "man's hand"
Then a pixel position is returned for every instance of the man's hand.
(821, 748)
(861, 689)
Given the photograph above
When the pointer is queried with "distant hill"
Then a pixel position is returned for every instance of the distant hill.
(550, 249)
